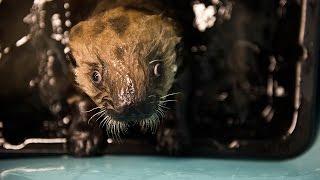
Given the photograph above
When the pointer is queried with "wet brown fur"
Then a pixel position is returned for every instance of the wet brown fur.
(119, 42)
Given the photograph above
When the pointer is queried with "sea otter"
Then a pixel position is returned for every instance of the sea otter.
(126, 61)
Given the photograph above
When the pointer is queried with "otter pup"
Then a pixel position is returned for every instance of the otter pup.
(126, 61)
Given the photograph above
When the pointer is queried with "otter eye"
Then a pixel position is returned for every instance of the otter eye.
(96, 77)
(158, 69)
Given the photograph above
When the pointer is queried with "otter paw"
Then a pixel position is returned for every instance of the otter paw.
(169, 141)
(84, 143)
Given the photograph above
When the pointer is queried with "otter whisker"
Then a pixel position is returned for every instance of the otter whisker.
(114, 128)
(155, 124)
(163, 106)
(103, 121)
(109, 126)
(119, 130)
(96, 115)
(169, 100)
(93, 109)
(109, 129)
(142, 124)
(162, 112)
(106, 119)
(170, 95)
(102, 114)
(158, 112)
(160, 108)
(114, 133)
(150, 123)
(107, 123)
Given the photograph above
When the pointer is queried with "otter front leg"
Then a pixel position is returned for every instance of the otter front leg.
(84, 139)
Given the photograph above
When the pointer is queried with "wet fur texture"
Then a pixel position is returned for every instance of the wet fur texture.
(121, 40)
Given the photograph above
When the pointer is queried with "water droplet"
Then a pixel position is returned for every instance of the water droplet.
(234, 144)
(66, 120)
(66, 5)
(68, 23)
(66, 50)
(23, 40)
(109, 140)
(32, 83)
(67, 14)
(6, 50)
(52, 81)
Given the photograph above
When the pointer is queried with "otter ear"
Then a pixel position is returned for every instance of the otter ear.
(71, 60)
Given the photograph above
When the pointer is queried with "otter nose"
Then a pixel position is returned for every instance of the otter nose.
(132, 111)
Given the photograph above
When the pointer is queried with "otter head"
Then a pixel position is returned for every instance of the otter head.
(126, 63)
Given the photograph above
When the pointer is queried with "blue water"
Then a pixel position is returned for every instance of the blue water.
(307, 166)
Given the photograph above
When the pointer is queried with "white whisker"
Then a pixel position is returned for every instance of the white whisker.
(163, 113)
(106, 119)
(113, 129)
(163, 106)
(102, 114)
(95, 115)
(103, 122)
(158, 112)
(93, 109)
(169, 100)
(156, 121)
(170, 95)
